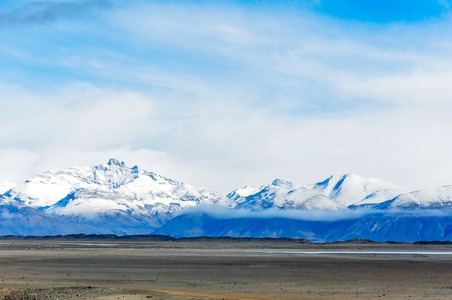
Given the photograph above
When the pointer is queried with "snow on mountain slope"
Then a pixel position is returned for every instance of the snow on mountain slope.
(111, 189)
(432, 198)
(266, 196)
(336, 192)
(351, 189)
(51, 186)
(113, 198)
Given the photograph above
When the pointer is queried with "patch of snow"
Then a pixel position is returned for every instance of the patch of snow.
(440, 197)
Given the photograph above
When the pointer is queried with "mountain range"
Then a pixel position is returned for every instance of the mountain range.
(113, 198)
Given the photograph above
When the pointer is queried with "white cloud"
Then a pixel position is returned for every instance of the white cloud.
(79, 115)
(39, 12)
(227, 96)
(15, 163)
(419, 88)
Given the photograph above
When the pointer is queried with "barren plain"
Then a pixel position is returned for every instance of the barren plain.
(87, 267)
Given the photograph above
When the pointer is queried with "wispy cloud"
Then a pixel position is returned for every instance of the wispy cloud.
(226, 95)
(219, 212)
(38, 12)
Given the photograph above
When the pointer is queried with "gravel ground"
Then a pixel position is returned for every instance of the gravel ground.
(81, 292)
(218, 269)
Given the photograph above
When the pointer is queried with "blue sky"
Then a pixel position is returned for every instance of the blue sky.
(226, 93)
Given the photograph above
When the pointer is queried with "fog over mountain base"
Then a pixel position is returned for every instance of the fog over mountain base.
(113, 198)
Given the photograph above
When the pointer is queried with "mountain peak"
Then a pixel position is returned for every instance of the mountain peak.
(282, 183)
(116, 162)
(115, 173)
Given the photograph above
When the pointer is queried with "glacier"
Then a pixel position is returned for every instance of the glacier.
(113, 198)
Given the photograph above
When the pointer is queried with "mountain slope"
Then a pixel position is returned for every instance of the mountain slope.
(432, 198)
(97, 194)
(406, 227)
(21, 219)
(335, 192)
(113, 198)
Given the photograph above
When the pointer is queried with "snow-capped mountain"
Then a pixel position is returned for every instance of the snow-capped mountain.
(115, 179)
(338, 208)
(112, 189)
(113, 198)
(335, 192)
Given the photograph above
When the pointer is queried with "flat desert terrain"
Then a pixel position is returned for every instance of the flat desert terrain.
(152, 268)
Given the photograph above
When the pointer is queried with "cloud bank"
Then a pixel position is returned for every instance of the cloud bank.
(223, 95)
(219, 212)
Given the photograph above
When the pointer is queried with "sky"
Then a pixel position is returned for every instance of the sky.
(223, 94)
